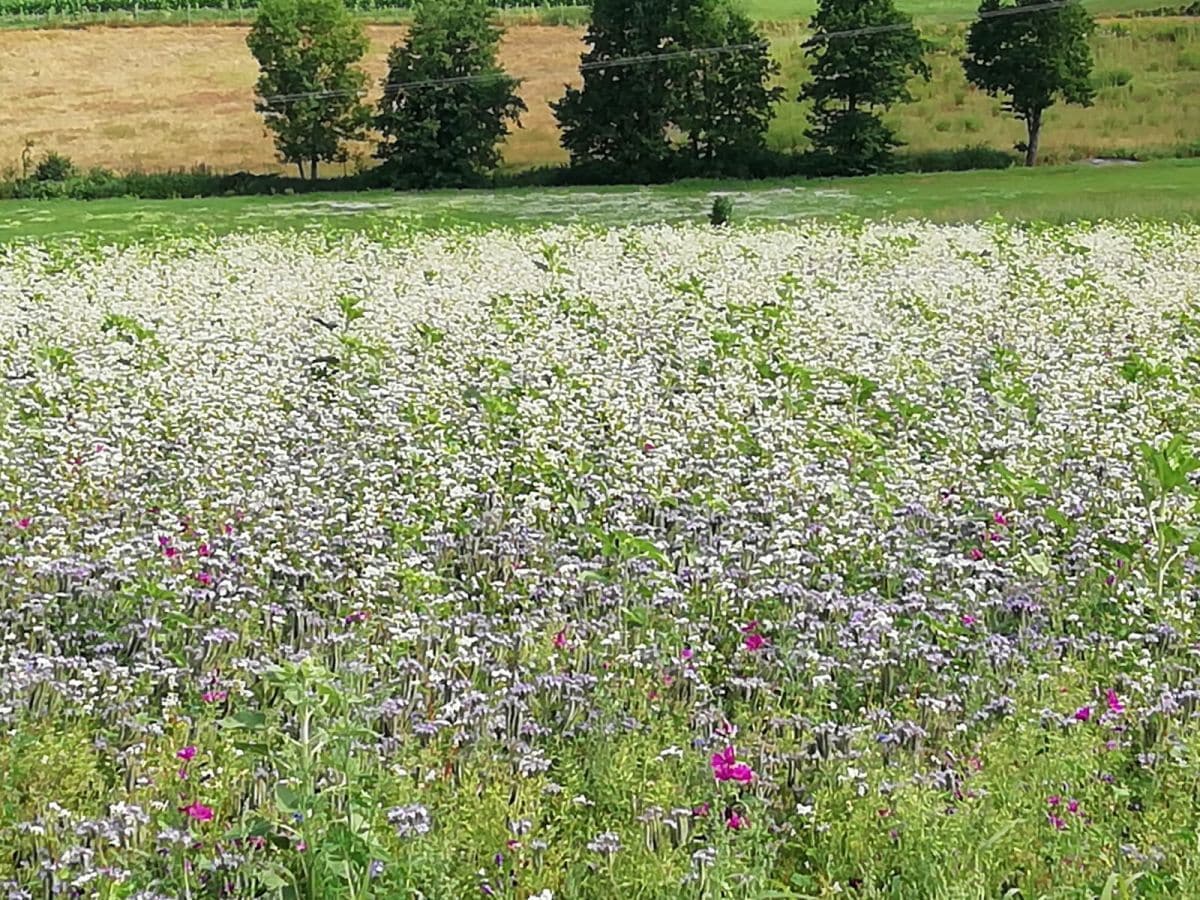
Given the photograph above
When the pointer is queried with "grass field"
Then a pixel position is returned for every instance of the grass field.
(162, 98)
(1168, 189)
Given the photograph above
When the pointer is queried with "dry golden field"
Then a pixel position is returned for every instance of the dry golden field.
(172, 97)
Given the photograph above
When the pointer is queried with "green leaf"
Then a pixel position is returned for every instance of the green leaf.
(246, 718)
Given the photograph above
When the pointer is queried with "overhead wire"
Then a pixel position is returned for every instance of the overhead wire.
(398, 87)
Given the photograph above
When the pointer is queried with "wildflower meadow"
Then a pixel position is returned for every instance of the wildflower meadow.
(645, 562)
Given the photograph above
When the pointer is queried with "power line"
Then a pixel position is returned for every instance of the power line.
(393, 88)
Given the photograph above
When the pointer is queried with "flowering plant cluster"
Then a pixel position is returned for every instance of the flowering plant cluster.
(643, 562)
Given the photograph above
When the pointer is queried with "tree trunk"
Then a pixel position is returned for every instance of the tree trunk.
(314, 168)
(300, 166)
(1034, 124)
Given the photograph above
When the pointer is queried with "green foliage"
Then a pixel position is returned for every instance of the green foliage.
(722, 211)
(446, 133)
(719, 103)
(1032, 59)
(54, 167)
(855, 79)
(309, 86)
(621, 112)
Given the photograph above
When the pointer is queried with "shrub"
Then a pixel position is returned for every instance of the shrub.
(722, 211)
(54, 167)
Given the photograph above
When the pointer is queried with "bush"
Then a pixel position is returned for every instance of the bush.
(54, 167)
(722, 211)
(960, 160)
(1111, 78)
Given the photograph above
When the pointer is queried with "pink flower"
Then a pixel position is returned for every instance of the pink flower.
(187, 754)
(24, 523)
(1058, 823)
(755, 642)
(976, 554)
(1053, 800)
(751, 627)
(725, 767)
(358, 616)
(214, 696)
(170, 552)
(969, 620)
(560, 639)
(204, 550)
(1114, 702)
(647, 447)
(205, 578)
(1000, 520)
(735, 822)
(1073, 806)
(686, 653)
(1083, 713)
(301, 846)
(701, 811)
(199, 812)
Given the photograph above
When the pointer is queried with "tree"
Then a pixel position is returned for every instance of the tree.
(1032, 57)
(309, 86)
(448, 131)
(856, 77)
(722, 100)
(644, 86)
(621, 112)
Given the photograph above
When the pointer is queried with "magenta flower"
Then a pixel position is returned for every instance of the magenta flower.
(560, 639)
(735, 822)
(24, 523)
(204, 550)
(1000, 520)
(214, 696)
(187, 754)
(1083, 713)
(701, 811)
(755, 642)
(725, 767)
(1073, 806)
(170, 552)
(1053, 800)
(205, 578)
(969, 620)
(199, 812)
(751, 627)
(976, 554)
(686, 653)
(358, 616)
(1058, 823)
(1114, 702)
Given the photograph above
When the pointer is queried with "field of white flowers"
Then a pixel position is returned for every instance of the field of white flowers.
(642, 563)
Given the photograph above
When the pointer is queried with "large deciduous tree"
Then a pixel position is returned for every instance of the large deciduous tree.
(1033, 57)
(446, 102)
(863, 53)
(723, 99)
(665, 78)
(309, 86)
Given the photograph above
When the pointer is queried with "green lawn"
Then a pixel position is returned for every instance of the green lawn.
(1168, 189)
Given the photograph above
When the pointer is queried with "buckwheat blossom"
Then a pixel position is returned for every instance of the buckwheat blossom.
(607, 843)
